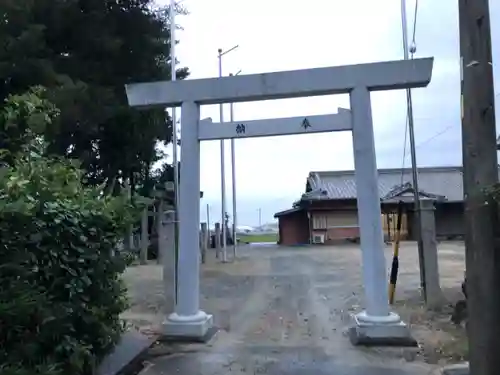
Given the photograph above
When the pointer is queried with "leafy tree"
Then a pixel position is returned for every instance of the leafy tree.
(84, 52)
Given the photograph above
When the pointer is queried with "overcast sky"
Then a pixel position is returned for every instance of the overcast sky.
(276, 35)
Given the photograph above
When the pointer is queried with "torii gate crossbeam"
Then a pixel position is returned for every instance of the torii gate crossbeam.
(340, 121)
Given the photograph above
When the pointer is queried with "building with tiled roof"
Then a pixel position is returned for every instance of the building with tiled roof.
(327, 211)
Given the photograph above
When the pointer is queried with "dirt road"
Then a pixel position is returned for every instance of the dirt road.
(280, 311)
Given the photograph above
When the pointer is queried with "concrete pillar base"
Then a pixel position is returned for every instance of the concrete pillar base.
(380, 331)
(188, 328)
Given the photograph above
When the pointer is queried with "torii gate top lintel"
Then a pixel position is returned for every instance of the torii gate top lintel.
(389, 75)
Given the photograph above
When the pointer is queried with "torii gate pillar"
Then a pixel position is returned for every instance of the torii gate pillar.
(377, 324)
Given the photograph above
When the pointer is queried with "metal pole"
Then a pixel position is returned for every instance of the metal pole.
(233, 175)
(208, 218)
(222, 172)
(416, 197)
(222, 164)
(173, 74)
(260, 217)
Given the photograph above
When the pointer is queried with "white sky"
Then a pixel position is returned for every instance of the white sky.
(278, 35)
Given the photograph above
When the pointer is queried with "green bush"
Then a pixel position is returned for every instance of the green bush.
(61, 290)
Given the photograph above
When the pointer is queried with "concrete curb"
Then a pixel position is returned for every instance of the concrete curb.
(456, 369)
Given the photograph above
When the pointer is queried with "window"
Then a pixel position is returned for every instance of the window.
(335, 219)
(319, 221)
(342, 219)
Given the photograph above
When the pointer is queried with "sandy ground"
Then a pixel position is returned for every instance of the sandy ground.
(285, 310)
(441, 341)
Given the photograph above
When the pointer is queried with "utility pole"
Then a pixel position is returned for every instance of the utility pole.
(480, 171)
(414, 168)
(173, 73)
(233, 176)
(223, 163)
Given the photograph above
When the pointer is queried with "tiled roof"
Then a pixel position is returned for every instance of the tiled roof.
(442, 181)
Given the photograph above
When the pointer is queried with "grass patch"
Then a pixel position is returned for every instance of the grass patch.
(441, 341)
(254, 238)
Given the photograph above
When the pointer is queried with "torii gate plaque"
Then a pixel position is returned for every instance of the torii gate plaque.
(377, 324)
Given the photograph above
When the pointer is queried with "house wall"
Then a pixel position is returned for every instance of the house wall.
(338, 221)
(390, 224)
(389, 211)
(450, 220)
(293, 228)
(335, 223)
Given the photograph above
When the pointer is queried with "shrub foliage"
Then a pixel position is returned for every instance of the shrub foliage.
(61, 290)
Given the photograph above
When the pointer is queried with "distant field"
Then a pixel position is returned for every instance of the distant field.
(264, 237)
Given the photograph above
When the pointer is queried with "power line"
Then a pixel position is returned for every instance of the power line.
(438, 134)
(445, 130)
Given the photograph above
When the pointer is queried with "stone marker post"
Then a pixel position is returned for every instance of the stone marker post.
(144, 236)
(217, 240)
(428, 230)
(129, 237)
(168, 257)
(204, 241)
(159, 231)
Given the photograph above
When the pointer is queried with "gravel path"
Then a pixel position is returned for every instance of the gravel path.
(280, 311)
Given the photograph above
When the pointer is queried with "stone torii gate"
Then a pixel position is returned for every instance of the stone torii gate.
(377, 324)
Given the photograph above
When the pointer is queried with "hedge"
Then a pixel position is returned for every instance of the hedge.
(61, 292)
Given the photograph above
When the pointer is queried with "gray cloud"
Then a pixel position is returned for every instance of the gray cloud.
(436, 108)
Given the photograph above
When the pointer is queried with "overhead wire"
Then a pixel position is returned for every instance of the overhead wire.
(438, 134)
